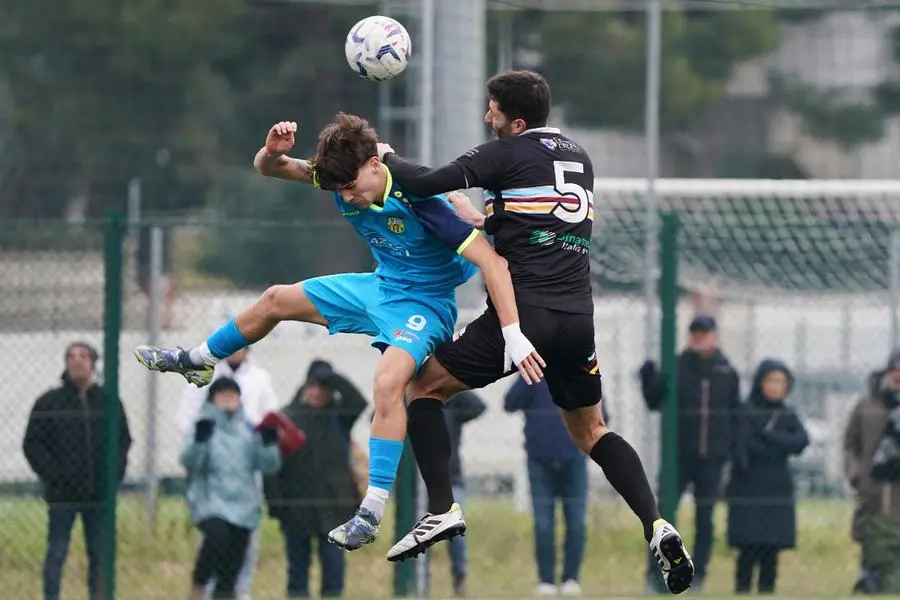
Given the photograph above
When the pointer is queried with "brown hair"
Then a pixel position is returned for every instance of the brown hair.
(345, 145)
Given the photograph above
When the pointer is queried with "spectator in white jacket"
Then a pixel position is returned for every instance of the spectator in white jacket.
(257, 398)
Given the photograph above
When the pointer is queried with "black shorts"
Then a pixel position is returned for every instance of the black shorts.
(564, 340)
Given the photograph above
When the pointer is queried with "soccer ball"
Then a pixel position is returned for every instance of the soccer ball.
(378, 48)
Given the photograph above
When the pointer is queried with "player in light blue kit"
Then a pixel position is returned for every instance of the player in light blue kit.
(408, 305)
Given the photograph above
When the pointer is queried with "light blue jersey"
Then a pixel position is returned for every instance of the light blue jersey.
(416, 241)
(410, 300)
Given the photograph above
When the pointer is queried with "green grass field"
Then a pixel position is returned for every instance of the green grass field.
(156, 565)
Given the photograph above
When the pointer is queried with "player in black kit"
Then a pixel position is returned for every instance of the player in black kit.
(539, 203)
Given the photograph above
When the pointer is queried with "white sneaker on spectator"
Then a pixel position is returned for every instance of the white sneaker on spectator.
(570, 588)
(545, 589)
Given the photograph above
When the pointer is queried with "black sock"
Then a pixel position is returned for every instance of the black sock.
(430, 441)
(622, 467)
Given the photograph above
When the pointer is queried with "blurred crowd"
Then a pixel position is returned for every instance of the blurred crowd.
(246, 455)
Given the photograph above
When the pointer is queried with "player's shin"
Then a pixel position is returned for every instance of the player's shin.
(625, 472)
(384, 460)
(430, 441)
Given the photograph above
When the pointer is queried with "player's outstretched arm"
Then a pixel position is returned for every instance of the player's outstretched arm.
(419, 180)
(272, 160)
(519, 350)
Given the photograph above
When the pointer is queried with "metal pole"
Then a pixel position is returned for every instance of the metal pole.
(505, 41)
(153, 327)
(134, 207)
(651, 124)
(426, 107)
(384, 92)
(426, 155)
(895, 287)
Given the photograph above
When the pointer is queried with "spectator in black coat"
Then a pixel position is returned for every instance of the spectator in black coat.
(762, 518)
(708, 412)
(315, 489)
(64, 446)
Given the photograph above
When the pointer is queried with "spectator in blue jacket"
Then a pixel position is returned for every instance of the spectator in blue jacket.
(557, 470)
(222, 459)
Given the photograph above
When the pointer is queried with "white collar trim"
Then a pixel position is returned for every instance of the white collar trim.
(542, 130)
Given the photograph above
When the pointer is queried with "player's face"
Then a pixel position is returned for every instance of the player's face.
(500, 124)
(368, 187)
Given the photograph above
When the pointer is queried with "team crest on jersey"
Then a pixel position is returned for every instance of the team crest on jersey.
(396, 224)
(591, 365)
(550, 143)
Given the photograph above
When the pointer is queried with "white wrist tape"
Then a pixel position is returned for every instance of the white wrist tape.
(518, 347)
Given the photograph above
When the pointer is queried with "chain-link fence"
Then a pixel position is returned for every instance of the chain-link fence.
(190, 278)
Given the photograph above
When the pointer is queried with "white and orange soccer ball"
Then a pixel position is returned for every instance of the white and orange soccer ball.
(378, 48)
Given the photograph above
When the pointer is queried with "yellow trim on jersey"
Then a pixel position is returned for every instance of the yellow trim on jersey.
(532, 208)
(387, 190)
(467, 242)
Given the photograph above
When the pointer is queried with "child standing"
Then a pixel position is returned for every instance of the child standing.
(222, 457)
(762, 516)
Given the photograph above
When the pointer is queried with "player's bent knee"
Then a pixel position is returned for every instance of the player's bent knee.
(388, 393)
(271, 303)
(586, 426)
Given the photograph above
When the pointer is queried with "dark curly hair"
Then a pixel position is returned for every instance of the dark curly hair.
(521, 95)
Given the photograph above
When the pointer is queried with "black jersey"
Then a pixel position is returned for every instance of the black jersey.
(540, 209)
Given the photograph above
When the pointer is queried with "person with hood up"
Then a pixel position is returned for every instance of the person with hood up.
(708, 412)
(762, 514)
(222, 459)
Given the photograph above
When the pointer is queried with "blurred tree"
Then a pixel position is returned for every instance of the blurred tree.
(598, 66)
(264, 240)
(101, 91)
(602, 57)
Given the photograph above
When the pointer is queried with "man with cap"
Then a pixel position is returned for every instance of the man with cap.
(708, 421)
(64, 446)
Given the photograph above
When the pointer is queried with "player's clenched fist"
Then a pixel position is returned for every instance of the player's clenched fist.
(281, 137)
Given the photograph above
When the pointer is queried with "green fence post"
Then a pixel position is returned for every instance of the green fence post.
(113, 235)
(407, 475)
(668, 301)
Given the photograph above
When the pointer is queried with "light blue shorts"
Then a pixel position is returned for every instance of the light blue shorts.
(364, 303)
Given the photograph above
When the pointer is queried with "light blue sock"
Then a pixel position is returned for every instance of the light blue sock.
(226, 340)
(384, 460)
